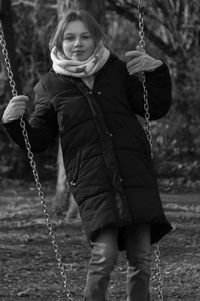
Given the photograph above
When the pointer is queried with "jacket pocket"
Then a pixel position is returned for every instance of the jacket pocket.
(75, 170)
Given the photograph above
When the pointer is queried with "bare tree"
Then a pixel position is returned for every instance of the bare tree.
(173, 26)
(7, 24)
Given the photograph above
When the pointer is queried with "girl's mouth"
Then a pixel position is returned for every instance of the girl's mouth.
(78, 52)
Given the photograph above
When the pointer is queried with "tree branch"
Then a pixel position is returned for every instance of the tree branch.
(34, 4)
(130, 15)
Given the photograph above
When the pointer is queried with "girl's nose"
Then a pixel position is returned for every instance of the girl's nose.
(77, 42)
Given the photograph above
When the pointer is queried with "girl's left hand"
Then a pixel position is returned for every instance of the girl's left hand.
(141, 61)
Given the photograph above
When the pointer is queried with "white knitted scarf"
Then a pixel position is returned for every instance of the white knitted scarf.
(81, 69)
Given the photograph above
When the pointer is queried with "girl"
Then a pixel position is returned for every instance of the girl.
(90, 99)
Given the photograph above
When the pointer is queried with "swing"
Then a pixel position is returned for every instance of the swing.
(159, 282)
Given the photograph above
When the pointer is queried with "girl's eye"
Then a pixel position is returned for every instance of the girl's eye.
(68, 38)
(71, 38)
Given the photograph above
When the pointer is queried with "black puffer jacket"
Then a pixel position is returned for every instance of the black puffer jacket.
(105, 150)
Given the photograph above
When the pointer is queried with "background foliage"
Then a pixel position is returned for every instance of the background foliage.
(172, 33)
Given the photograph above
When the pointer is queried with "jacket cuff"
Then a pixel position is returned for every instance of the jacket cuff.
(11, 124)
(158, 71)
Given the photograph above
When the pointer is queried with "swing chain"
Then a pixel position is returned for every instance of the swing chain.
(34, 167)
(145, 92)
(159, 282)
(147, 127)
(158, 277)
(7, 62)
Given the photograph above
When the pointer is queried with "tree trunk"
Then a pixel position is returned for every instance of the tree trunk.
(7, 25)
(64, 201)
(95, 7)
(60, 203)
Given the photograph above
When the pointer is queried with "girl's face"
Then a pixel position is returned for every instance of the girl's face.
(78, 43)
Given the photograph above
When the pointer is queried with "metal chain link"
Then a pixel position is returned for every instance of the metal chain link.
(158, 277)
(145, 92)
(34, 167)
(7, 62)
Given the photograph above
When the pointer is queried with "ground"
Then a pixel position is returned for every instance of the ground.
(29, 271)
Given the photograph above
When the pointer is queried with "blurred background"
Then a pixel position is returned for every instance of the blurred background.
(172, 33)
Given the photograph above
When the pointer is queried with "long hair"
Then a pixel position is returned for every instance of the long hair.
(93, 27)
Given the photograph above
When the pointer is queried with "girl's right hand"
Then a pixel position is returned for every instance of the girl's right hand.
(15, 109)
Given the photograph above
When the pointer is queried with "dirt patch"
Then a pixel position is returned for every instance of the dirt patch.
(29, 270)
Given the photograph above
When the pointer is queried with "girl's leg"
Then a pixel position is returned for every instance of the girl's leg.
(138, 249)
(103, 260)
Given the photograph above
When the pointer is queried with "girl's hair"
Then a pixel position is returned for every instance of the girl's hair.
(76, 15)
